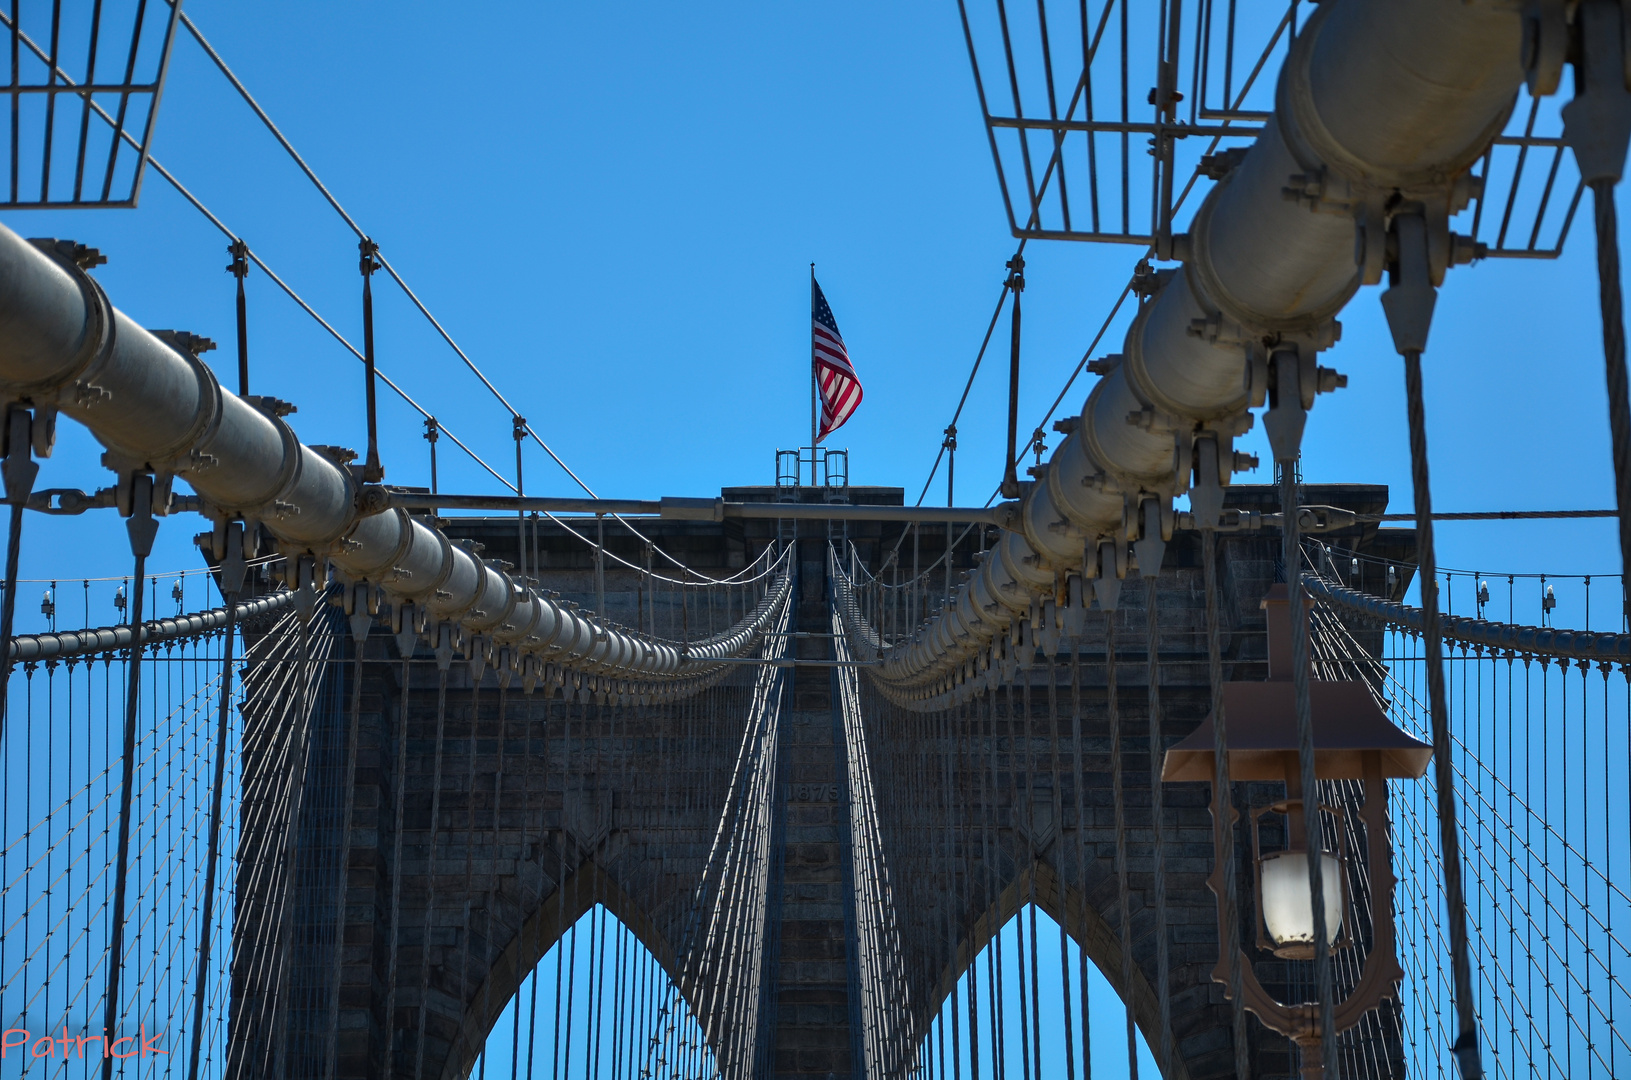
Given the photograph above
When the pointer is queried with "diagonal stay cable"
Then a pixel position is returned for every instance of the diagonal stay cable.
(324, 323)
(249, 99)
(1055, 163)
(328, 196)
(230, 235)
(340, 338)
(1002, 299)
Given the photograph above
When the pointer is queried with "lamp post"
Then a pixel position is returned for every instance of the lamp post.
(1353, 740)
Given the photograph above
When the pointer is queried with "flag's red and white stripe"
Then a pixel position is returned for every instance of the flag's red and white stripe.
(839, 386)
(840, 389)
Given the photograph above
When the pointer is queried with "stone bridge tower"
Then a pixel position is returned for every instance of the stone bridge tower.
(486, 820)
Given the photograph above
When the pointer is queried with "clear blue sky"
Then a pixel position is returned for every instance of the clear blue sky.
(614, 208)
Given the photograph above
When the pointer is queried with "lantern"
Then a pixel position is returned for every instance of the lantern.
(1353, 740)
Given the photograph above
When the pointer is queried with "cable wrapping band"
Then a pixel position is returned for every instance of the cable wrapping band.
(1530, 640)
(111, 638)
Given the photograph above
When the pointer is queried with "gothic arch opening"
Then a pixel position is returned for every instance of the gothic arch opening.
(1031, 1002)
(601, 1003)
(1023, 965)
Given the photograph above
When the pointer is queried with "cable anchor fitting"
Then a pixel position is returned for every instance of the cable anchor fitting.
(1597, 123)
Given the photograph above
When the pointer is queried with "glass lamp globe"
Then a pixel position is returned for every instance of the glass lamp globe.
(1288, 909)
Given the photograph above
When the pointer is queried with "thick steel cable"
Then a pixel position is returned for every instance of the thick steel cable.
(110, 639)
(230, 602)
(1619, 404)
(1223, 825)
(1466, 1048)
(1123, 893)
(1545, 643)
(1313, 821)
(1163, 1053)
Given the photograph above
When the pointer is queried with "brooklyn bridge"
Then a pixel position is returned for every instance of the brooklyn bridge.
(1135, 767)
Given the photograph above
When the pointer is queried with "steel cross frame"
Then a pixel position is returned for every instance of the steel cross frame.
(1534, 203)
(57, 85)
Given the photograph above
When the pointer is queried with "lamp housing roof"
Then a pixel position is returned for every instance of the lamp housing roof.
(1262, 730)
(1262, 724)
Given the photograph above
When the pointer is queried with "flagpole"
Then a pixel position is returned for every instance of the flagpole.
(815, 390)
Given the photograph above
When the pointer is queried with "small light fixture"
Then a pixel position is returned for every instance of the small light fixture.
(1353, 740)
(1287, 926)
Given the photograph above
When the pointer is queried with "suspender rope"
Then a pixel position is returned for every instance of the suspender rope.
(1163, 1051)
(232, 579)
(1224, 824)
(239, 269)
(1016, 283)
(1080, 779)
(1019, 733)
(1122, 892)
(1036, 945)
(372, 471)
(519, 430)
(971, 752)
(1619, 409)
(142, 528)
(1054, 750)
(1408, 304)
(1313, 822)
(398, 796)
(959, 902)
(468, 932)
(359, 643)
(291, 852)
(18, 471)
(1455, 903)
(430, 865)
(504, 678)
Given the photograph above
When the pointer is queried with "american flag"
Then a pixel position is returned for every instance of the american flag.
(840, 387)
